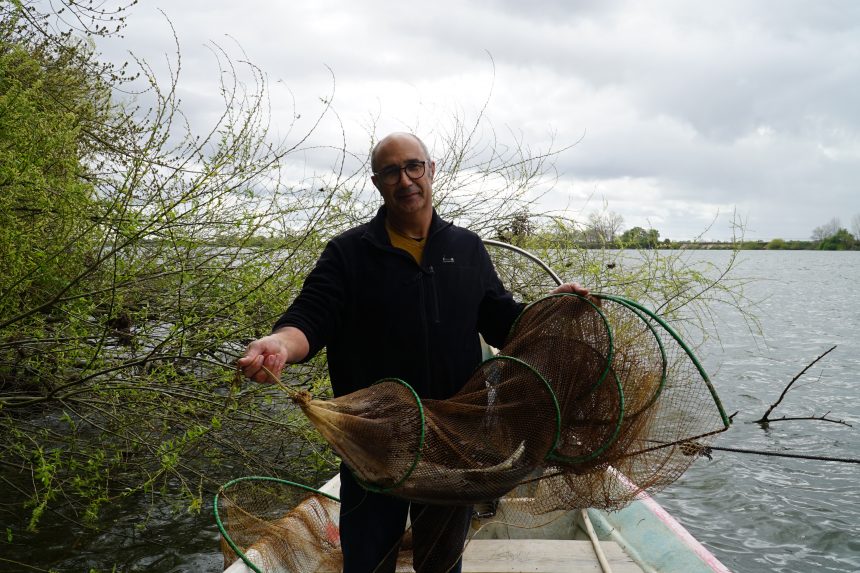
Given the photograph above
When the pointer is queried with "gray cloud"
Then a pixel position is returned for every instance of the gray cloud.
(687, 108)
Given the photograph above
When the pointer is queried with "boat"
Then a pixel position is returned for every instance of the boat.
(640, 538)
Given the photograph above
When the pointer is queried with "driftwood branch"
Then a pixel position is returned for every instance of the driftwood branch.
(823, 418)
(764, 420)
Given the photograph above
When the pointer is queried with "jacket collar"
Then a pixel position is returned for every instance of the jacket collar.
(376, 227)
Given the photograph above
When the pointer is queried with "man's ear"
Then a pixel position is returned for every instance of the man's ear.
(375, 182)
(432, 170)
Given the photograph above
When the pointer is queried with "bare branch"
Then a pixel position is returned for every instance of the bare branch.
(764, 419)
(822, 418)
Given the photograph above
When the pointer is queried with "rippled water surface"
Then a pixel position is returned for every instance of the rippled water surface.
(766, 514)
(757, 514)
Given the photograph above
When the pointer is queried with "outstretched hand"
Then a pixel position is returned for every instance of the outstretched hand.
(272, 353)
(267, 353)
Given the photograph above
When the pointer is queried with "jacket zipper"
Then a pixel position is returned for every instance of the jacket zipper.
(422, 296)
(422, 299)
(434, 294)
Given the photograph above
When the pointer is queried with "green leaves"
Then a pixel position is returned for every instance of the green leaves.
(138, 261)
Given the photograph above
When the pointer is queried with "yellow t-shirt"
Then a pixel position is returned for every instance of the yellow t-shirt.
(414, 247)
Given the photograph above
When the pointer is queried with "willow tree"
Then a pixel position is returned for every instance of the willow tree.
(139, 257)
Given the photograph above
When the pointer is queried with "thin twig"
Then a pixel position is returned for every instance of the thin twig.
(822, 418)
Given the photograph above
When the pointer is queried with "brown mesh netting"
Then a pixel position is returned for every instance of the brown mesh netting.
(278, 526)
(585, 406)
(474, 446)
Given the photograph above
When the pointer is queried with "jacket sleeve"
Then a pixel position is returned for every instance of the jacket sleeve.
(318, 310)
(498, 309)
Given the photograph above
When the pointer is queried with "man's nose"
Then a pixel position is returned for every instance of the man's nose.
(405, 180)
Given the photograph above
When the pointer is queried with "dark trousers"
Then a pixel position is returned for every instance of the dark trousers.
(372, 525)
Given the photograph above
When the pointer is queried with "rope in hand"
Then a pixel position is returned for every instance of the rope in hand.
(299, 396)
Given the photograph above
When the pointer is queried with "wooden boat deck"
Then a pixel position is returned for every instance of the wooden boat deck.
(538, 556)
(542, 556)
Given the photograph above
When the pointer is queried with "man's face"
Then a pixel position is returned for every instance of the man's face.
(405, 197)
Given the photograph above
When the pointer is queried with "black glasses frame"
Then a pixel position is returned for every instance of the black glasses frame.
(390, 175)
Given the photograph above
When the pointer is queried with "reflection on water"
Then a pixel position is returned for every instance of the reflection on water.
(766, 514)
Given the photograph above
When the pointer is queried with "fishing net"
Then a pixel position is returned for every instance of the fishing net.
(276, 525)
(589, 402)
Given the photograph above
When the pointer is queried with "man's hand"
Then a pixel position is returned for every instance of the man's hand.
(574, 288)
(272, 353)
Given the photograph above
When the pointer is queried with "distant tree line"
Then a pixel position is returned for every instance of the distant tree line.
(603, 230)
(831, 236)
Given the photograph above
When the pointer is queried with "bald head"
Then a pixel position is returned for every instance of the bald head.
(403, 174)
(394, 138)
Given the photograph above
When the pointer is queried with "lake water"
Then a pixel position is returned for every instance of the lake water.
(757, 514)
(770, 514)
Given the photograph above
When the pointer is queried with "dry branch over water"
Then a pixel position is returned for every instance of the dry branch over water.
(765, 420)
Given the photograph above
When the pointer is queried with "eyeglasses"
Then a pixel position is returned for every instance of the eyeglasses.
(414, 170)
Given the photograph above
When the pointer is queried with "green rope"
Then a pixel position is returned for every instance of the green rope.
(665, 363)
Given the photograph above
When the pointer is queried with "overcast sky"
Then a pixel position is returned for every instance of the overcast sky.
(684, 112)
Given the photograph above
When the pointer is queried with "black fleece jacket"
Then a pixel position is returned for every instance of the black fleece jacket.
(381, 315)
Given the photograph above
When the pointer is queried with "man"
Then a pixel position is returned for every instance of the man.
(402, 296)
